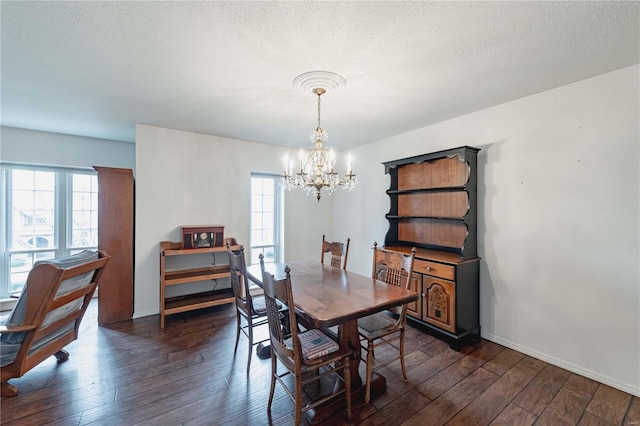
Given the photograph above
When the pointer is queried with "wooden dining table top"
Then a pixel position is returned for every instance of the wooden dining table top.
(331, 296)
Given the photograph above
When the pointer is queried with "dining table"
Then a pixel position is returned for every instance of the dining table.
(326, 296)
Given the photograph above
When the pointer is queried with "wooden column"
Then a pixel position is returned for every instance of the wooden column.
(116, 238)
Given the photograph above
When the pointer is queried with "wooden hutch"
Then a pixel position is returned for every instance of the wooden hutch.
(434, 208)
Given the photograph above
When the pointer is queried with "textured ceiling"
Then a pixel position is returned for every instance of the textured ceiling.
(226, 68)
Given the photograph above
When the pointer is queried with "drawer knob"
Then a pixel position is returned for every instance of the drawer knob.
(429, 268)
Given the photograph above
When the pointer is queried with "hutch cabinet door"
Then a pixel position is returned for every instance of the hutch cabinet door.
(439, 303)
(415, 284)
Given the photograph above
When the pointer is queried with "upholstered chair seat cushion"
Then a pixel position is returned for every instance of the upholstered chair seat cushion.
(259, 306)
(376, 325)
(315, 344)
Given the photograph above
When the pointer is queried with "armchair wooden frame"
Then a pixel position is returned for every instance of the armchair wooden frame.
(394, 268)
(337, 250)
(41, 335)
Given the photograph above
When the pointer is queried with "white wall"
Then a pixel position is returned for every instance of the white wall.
(559, 218)
(185, 178)
(558, 221)
(55, 149)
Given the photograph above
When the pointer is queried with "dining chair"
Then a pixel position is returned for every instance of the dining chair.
(311, 351)
(250, 310)
(337, 251)
(394, 268)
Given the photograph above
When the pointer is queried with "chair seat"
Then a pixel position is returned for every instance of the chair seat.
(315, 344)
(376, 325)
(259, 307)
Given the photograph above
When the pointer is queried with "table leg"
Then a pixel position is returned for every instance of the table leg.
(348, 336)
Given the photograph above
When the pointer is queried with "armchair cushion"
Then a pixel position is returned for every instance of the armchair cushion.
(8, 353)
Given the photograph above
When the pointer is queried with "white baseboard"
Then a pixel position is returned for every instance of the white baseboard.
(147, 313)
(625, 387)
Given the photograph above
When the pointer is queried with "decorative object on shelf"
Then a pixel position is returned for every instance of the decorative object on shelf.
(317, 175)
(202, 236)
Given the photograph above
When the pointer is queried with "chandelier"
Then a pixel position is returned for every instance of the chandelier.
(316, 174)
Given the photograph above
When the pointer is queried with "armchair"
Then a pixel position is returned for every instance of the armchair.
(47, 315)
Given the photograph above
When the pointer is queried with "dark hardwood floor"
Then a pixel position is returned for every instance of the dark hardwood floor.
(134, 373)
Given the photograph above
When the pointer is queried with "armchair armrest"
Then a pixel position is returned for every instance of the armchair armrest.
(8, 329)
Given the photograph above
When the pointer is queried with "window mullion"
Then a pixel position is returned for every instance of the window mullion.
(7, 217)
(61, 214)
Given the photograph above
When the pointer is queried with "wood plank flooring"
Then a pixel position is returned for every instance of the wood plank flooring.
(134, 373)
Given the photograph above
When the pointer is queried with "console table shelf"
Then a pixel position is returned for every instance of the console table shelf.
(188, 276)
(193, 275)
(175, 305)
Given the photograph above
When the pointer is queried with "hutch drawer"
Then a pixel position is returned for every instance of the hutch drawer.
(439, 270)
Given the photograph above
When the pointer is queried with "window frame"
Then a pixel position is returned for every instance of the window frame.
(278, 218)
(63, 217)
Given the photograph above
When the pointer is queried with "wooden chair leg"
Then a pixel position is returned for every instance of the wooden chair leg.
(250, 345)
(238, 319)
(62, 355)
(274, 373)
(404, 370)
(7, 390)
(298, 400)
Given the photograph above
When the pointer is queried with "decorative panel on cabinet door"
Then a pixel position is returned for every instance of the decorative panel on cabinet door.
(439, 303)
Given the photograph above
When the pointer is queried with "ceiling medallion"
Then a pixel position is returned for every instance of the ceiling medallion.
(319, 79)
(317, 175)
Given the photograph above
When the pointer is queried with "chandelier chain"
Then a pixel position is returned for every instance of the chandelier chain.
(319, 95)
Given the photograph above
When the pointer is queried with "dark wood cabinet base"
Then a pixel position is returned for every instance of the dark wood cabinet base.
(456, 341)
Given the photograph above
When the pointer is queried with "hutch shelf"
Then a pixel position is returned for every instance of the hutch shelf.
(190, 275)
(433, 207)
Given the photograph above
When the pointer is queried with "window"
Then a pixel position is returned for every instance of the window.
(266, 218)
(47, 213)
